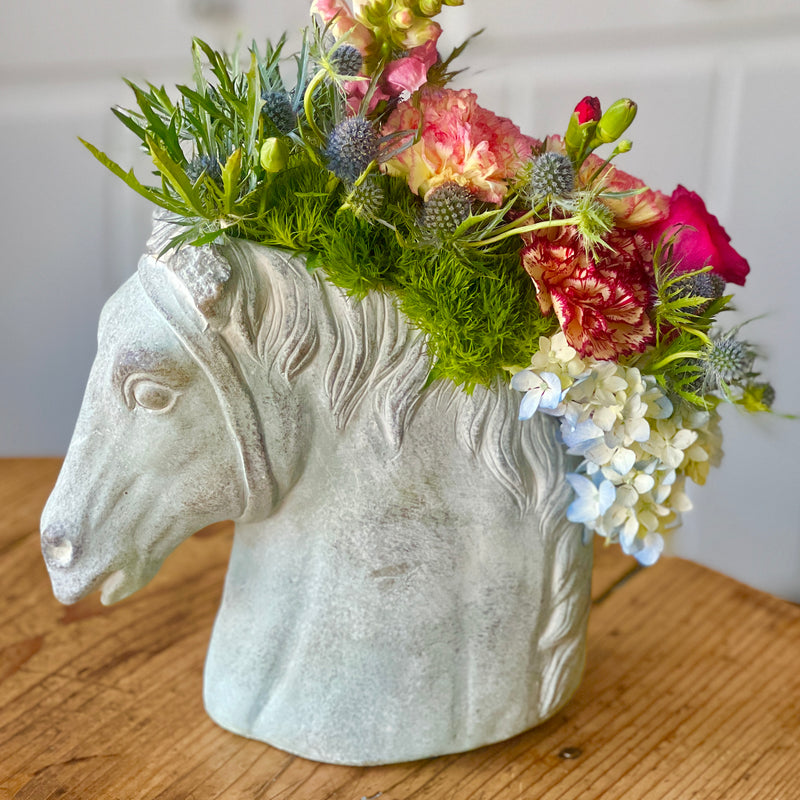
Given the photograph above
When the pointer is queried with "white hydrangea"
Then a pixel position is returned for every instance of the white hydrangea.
(637, 449)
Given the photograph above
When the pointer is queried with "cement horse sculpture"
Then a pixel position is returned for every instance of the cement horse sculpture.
(403, 582)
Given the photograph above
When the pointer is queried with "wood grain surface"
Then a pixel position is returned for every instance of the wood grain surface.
(692, 690)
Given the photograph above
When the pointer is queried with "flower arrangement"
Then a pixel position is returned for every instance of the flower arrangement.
(537, 260)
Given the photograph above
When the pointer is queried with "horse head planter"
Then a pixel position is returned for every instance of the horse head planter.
(403, 581)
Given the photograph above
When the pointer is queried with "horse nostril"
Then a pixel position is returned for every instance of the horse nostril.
(58, 550)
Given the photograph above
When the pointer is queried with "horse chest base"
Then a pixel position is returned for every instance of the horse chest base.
(333, 677)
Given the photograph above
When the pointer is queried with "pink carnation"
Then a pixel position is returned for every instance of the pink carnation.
(601, 306)
(460, 142)
(700, 239)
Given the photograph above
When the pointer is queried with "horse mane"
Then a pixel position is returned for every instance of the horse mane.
(283, 313)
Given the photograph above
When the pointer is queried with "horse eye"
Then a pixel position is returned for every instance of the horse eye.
(150, 395)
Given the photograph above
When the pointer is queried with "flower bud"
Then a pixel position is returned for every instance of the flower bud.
(581, 127)
(615, 121)
(403, 18)
(588, 110)
(430, 8)
(274, 154)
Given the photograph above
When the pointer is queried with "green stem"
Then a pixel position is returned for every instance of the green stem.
(674, 357)
(520, 220)
(519, 230)
(310, 89)
(699, 334)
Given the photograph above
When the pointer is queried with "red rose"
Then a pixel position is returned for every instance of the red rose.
(588, 110)
(701, 242)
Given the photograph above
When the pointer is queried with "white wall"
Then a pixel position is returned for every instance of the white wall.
(716, 84)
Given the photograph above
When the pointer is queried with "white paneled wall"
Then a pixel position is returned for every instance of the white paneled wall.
(716, 84)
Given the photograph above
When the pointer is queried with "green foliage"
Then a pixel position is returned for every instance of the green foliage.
(481, 313)
(215, 152)
(686, 357)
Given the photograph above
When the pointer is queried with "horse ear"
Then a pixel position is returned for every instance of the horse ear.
(203, 271)
(207, 277)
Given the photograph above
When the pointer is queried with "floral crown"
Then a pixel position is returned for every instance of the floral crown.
(537, 260)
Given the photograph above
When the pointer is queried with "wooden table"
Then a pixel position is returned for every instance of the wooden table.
(692, 690)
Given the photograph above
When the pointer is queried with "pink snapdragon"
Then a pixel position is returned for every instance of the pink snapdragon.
(404, 75)
(343, 22)
(460, 142)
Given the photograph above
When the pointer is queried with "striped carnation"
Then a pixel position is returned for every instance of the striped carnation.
(601, 305)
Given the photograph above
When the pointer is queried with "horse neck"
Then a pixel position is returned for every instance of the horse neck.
(347, 378)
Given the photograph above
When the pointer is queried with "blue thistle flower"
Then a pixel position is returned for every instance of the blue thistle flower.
(726, 360)
(352, 146)
(552, 175)
(445, 209)
(767, 392)
(204, 164)
(278, 107)
(705, 284)
(347, 61)
(367, 199)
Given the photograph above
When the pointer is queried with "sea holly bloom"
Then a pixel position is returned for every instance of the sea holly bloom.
(640, 207)
(459, 142)
(602, 302)
(699, 239)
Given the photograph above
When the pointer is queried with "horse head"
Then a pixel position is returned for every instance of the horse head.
(169, 438)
